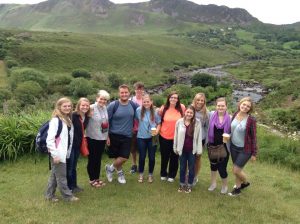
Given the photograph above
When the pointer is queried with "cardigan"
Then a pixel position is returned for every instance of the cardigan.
(59, 147)
(179, 137)
(250, 135)
(78, 135)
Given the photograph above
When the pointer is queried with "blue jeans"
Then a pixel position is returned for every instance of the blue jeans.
(143, 145)
(187, 158)
(71, 169)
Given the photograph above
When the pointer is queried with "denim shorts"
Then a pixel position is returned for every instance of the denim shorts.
(239, 156)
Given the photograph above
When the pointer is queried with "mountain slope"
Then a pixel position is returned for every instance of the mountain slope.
(104, 16)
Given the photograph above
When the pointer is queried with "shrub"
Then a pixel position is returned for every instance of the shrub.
(81, 73)
(58, 83)
(80, 87)
(115, 80)
(158, 100)
(184, 91)
(5, 95)
(203, 79)
(11, 63)
(27, 92)
(28, 74)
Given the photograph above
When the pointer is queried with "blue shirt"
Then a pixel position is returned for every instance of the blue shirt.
(238, 131)
(121, 122)
(145, 125)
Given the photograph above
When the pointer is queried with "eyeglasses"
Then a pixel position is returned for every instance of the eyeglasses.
(174, 97)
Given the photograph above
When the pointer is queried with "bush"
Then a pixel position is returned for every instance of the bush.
(203, 79)
(115, 80)
(58, 83)
(158, 100)
(184, 91)
(80, 87)
(28, 74)
(5, 95)
(81, 73)
(27, 92)
(11, 63)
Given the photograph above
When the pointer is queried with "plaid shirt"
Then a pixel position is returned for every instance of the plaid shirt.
(250, 136)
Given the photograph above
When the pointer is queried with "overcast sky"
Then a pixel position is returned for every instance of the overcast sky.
(267, 11)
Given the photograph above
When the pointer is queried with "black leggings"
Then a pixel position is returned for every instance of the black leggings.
(168, 157)
(221, 166)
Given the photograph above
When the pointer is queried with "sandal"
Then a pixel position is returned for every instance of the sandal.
(150, 179)
(141, 179)
(101, 183)
(95, 183)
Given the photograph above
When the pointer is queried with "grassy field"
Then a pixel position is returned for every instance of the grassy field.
(133, 56)
(273, 197)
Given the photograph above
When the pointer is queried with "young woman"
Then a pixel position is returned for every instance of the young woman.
(60, 149)
(80, 119)
(219, 123)
(149, 126)
(202, 115)
(187, 144)
(97, 136)
(172, 111)
(243, 145)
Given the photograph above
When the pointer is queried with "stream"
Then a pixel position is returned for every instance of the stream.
(240, 88)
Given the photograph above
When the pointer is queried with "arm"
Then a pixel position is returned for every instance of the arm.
(199, 142)
(254, 147)
(175, 139)
(51, 141)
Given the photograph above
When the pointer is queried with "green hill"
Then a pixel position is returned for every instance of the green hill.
(103, 16)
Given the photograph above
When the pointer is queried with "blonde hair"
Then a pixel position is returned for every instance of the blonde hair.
(249, 99)
(77, 108)
(67, 118)
(203, 110)
(103, 93)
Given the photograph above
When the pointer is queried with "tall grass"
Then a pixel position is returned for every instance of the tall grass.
(17, 133)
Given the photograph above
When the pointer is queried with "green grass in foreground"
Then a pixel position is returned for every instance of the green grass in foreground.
(273, 197)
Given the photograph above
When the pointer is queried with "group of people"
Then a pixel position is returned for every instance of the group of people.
(128, 125)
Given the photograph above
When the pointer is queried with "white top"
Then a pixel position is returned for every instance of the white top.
(59, 147)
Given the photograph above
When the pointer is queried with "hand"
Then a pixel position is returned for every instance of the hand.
(108, 142)
(253, 158)
(56, 160)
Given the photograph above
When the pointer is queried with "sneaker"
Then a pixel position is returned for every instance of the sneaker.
(212, 187)
(171, 180)
(73, 198)
(224, 190)
(243, 185)
(121, 178)
(188, 189)
(77, 190)
(180, 189)
(53, 199)
(133, 169)
(109, 174)
(163, 178)
(235, 192)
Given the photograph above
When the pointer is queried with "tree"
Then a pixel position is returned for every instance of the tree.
(203, 79)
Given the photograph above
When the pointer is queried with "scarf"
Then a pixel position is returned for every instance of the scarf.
(214, 121)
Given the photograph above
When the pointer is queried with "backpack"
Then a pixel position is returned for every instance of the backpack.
(117, 103)
(41, 137)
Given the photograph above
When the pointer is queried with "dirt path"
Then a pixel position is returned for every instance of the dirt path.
(3, 76)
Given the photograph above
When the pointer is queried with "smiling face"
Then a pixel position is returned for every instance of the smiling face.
(84, 106)
(139, 92)
(101, 100)
(66, 108)
(173, 99)
(124, 94)
(199, 103)
(188, 114)
(245, 106)
(147, 102)
(221, 107)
